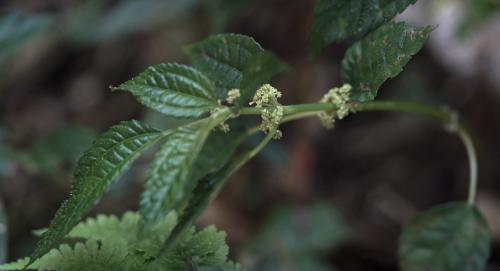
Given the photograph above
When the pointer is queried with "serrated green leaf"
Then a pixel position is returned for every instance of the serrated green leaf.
(169, 182)
(258, 72)
(204, 248)
(112, 243)
(173, 89)
(337, 20)
(449, 237)
(96, 170)
(223, 58)
(379, 56)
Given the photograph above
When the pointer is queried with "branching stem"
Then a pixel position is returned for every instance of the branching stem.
(294, 112)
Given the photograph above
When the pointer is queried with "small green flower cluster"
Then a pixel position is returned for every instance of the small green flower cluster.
(266, 98)
(340, 98)
(233, 95)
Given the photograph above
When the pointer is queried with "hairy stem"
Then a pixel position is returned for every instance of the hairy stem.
(294, 112)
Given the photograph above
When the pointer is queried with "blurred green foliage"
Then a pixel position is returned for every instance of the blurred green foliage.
(58, 150)
(17, 28)
(3, 235)
(55, 153)
(297, 239)
(478, 12)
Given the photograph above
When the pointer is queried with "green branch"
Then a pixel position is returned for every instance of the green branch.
(295, 112)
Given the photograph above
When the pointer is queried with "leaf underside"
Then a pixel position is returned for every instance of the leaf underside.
(446, 238)
(380, 55)
(173, 89)
(96, 170)
(337, 20)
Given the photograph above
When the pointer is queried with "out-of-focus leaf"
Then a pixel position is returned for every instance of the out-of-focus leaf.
(221, 12)
(16, 29)
(91, 23)
(3, 235)
(309, 230)
(259, 71)
(170, 179)
(380, 55)
(223, 58)
(446, 238)
(294, 238)
(173, 89)
(478, 12)
(103, 163)
(63, 145)
(336, 20)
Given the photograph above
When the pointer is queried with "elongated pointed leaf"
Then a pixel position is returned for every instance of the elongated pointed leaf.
(337, 20)
(379, 56)
(223, 59)
(169, 182)
(173, 89)
(259, 71)
(450, 237)
(96, 170)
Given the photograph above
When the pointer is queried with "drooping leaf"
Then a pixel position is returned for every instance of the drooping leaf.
(380, 55)
(3, 235)
(258, 72)
(223, 58)
(96, 170)
(173, 89)
(169, 182)
(337, 20)
(449, 237)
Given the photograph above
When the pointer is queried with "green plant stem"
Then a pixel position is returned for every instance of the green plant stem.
(209, 189)
(294, 112)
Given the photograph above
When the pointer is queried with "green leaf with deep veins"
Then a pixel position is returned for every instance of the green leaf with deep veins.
(337, 20)
(173, 89)
(223, 58)
(380, 55)
(96, 170)
(258, 72)
(449, 237)
(169, 182)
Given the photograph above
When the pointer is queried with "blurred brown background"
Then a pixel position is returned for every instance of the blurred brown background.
(360, 181)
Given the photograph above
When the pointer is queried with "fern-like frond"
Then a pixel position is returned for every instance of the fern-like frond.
(112, 243)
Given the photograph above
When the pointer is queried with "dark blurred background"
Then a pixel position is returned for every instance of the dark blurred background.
(314, 200)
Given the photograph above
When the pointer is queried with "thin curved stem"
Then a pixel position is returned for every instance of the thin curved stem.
(295, 112)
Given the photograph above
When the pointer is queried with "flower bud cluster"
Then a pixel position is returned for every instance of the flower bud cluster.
(340, 98)
(233, 95)
(266, 98)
